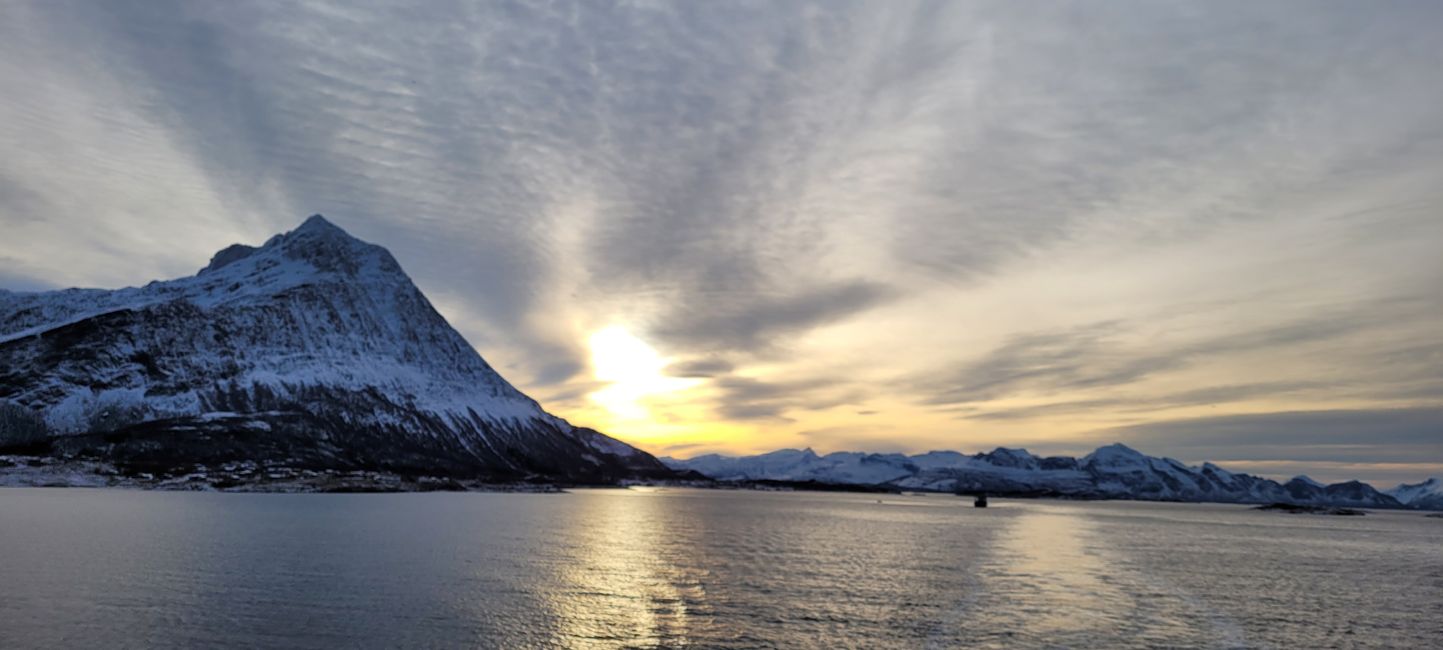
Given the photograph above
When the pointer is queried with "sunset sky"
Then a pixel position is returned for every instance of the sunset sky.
(1212, 231)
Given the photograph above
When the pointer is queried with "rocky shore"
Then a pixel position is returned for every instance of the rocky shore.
(245, 476)
(1295, 509)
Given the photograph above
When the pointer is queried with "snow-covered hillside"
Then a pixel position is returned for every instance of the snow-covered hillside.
(1427, 495)
(1114, 471)
(315, 347)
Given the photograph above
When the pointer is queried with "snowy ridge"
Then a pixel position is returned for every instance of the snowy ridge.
(1304, 478)
(315, 332)
(1113, 471)
(1427, 495)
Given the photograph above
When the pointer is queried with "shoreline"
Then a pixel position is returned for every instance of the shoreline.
(249, 477)
(245, 477)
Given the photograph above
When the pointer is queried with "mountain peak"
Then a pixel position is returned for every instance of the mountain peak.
(316, 232)
(316, 346)
(329, 248)
(1116, 450)
(1116, 455)
(1430, 490)
(317, 251)
(1005, 457)
(228, 255)
(318, 223)
(315, 229)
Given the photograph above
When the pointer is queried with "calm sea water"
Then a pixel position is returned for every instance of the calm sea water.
(697, 568)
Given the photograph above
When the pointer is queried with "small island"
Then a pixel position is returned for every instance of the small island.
(1294, 509)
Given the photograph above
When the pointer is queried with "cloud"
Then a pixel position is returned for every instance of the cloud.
(752, 322)
(1077, 358)
(1212, 395)
(700, 368)
(1108, 354)
(747, 398)
(1397, 435)
(871, 438)
(17, 281)
(680, 447)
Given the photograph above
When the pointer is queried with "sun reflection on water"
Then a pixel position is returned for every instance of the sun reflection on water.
(624, 587)
(1054, 579)
(1058, 578)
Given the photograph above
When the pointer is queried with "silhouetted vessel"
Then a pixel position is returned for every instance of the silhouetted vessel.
(980, 502)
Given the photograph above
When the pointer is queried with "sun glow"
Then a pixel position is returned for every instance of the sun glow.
(632, 370)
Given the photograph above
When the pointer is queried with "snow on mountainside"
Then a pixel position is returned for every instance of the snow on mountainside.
(1114, 471)
(804, 465)
(1427, 495)
(1304, 478)
(314, 347)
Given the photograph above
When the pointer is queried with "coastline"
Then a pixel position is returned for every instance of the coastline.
(250, 477)
(245, 476)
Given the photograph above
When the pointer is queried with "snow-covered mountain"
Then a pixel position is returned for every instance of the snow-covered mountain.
(1427, 495)
(1305, 479)
(1114, 471)
(314, 349)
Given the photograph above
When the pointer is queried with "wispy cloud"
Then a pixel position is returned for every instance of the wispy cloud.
(1113, 354)
(747, 398)
(751, 322)
(700, 368)
(1393, 436)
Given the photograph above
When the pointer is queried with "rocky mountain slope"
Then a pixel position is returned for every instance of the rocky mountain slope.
(313, 350)
(1111, 472)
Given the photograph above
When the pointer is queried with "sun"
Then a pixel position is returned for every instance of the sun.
(631, 369)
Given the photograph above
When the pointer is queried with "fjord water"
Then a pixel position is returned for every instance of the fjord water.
(702, 568)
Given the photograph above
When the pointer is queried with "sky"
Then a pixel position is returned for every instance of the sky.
(1212, 231)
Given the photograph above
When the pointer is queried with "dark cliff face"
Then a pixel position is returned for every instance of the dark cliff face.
(314, 349)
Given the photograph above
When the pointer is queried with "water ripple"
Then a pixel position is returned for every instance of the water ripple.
(704, 569)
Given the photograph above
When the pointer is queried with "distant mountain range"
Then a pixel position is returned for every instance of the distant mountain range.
(1111, 472)
(314, 351)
